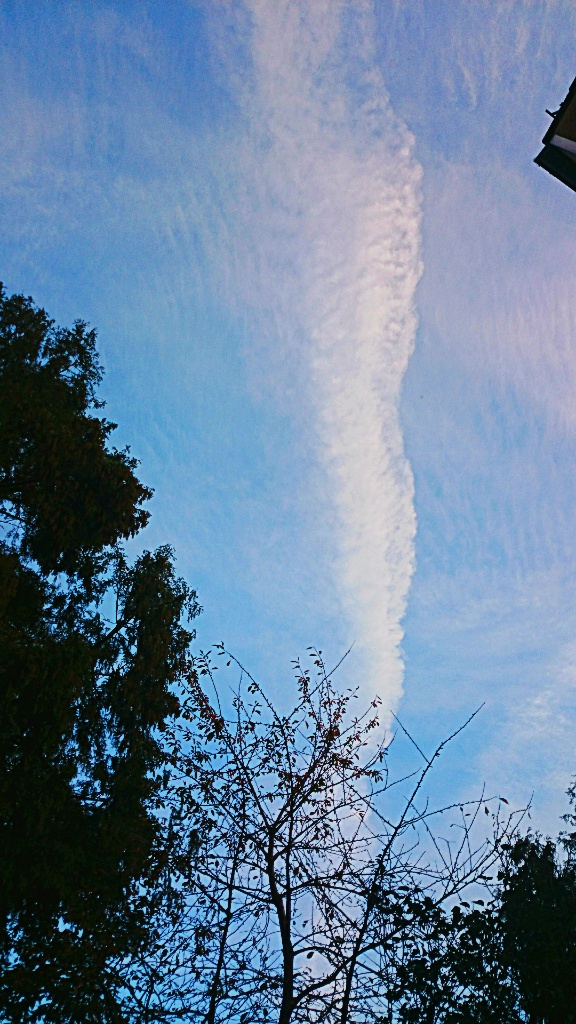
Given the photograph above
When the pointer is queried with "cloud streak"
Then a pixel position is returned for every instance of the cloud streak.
(334, 227)
(296, 207)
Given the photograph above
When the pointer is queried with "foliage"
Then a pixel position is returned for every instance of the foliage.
(91, 651)
(66, 493)
(299, 897)
(513, 961)
(537, 917)
(168, 854)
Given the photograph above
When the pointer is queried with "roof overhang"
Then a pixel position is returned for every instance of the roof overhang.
(558, 156)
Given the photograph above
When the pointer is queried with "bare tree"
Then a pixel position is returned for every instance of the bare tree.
(298, 894)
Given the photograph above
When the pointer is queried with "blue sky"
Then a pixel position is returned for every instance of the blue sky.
(334, 303)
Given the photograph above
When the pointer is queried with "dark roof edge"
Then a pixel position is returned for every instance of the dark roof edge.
(561, 109)
(558, 164)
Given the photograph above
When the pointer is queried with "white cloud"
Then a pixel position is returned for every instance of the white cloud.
(332, 227)
(309, 215)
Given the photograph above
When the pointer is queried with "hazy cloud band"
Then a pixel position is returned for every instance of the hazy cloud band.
(337, 231)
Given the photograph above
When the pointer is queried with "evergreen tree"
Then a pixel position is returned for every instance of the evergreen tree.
(91, 650)
(509, 962)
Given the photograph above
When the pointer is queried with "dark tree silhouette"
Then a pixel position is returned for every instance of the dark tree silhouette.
(300, 892)
(537, 918)
(168, 854)
(91, 648)
(512, 961)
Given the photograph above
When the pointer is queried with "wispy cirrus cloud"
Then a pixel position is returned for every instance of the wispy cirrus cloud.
(293, 206)
(331, 207)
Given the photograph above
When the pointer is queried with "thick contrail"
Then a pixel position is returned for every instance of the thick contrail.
(339, 244)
